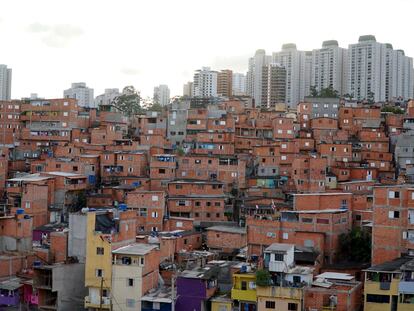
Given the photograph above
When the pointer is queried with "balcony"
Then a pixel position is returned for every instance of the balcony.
(180, 208)
(383, 288)
(45, 135)
(94, 303)
(243, 295)
(278, 266)
(280, 292)
(75, 184)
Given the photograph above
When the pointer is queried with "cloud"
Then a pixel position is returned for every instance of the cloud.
(57, 36)
(130, 71)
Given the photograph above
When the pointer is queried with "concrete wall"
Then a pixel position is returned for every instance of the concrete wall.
(68, 281)
(77, 236)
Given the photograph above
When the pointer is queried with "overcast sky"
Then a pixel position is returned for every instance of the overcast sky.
(50, 44)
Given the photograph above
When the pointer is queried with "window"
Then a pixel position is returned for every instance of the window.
(27, 205)
(154, 198)
(99, 273)
(161, 170)
(270, 305)
(285, 236)
(243, 285)
(292, 306)
(378, 298)
(323, 221)
(277, 257)
(217, 204)
(99, 251)
(142, 261)
(154, 214)
(393, 194)
(393, 214)
(130, 282)
(296, 279)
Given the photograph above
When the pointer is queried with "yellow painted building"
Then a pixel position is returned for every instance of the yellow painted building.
(244, 289)
(98, 265)
(106, 230)
(390, 286)
(282, 297)
(222, 303)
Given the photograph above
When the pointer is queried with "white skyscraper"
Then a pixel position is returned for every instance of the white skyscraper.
(328, 67)
(239, 84)
(161, 95)
(367, 69)
(205, 83)
(378, 72)
(254, 75)
(399, 74)
(5, 82)
(308, 71)
(106, 98)
(294, 63)
(82, 93)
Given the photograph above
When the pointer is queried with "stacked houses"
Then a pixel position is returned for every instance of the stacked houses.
(207, 206)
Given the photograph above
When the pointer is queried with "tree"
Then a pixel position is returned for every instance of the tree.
(155, 107)
(263, 278)
(395, 110)
(328, 92)
(355, 245)
(371, 97)
(348, 96)
(78, 202)
(129, 102)
(313, 91)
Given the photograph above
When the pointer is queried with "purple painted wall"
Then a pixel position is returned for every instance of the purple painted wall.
(190, 294)
(37, 234)
(6, 300)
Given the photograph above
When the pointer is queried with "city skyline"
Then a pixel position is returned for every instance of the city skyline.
(81, 34)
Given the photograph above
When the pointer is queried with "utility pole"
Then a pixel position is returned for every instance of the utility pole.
(100, 294)
(173, 292)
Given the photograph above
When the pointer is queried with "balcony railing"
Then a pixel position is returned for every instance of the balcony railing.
(94, 303)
